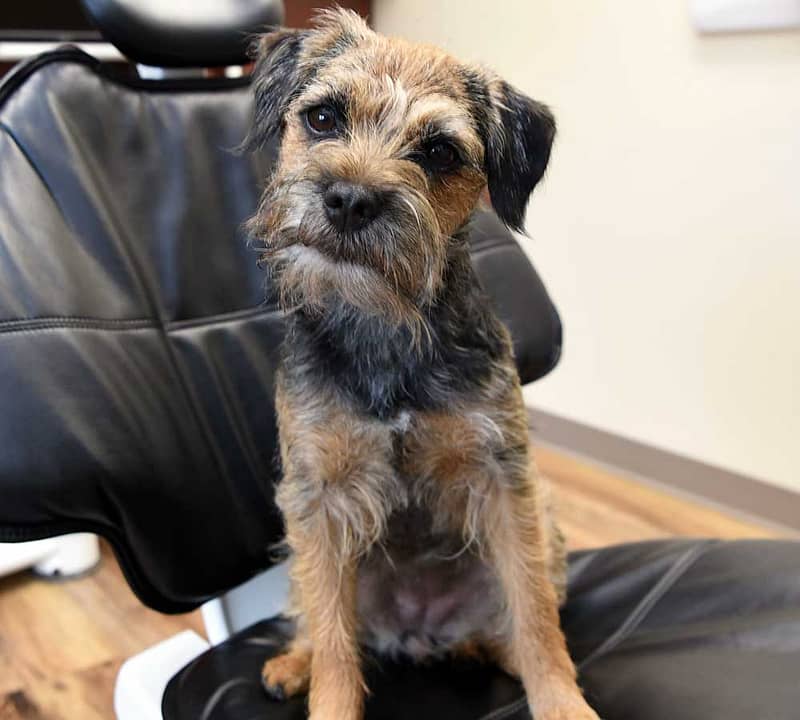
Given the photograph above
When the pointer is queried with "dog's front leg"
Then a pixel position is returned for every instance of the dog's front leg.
(325, 576)
(536, 649)
(337, 491)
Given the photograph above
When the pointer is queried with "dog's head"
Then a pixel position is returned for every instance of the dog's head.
(385, 149)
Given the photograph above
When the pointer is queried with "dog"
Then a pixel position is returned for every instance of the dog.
(416, 521)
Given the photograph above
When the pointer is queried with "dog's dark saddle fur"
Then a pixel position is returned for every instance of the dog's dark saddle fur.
(379, 367)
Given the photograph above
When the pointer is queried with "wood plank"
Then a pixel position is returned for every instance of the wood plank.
(598, 506)
(87, 694)
(10, 679)
(46, 632)
(62, 643)
(18, 706)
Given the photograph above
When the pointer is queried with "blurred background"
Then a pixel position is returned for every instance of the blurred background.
(668, 229)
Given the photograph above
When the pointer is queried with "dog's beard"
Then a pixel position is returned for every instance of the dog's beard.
(393, 268)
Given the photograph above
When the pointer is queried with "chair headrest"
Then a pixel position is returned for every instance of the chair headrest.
(183, 33)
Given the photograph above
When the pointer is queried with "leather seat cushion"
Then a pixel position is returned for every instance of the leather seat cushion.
(665, 630)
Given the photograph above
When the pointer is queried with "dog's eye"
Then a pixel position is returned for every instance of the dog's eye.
(442, 156)
(321, 119)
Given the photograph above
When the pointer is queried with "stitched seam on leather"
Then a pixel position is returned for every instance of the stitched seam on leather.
(32, 324)
(172, 357)
(649, 601)
(506, 710)
(219, 693)
(233, 316)
(45, 324)
(73, 328)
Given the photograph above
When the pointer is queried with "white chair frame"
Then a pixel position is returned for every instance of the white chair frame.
(143, 678)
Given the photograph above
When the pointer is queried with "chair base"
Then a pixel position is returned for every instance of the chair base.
(143, 678)
(60, 557)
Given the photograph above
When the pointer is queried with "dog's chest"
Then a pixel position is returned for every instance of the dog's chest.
(422, 593)
(384, 371)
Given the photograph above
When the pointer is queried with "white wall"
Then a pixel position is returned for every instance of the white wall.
(668, 229)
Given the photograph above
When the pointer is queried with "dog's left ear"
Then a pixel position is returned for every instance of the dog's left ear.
(517, 150)
(276, 78)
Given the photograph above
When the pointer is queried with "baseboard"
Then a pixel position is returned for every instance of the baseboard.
(739, 493)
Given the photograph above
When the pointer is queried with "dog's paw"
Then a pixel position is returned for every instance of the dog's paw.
(568, 713)
(287, 675)
(572, 709)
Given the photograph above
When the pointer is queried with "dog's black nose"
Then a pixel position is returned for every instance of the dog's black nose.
(350, 207)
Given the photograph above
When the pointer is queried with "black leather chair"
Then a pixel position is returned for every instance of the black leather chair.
(137, 354)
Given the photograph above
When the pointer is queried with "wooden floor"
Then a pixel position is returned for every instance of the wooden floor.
(61, 644)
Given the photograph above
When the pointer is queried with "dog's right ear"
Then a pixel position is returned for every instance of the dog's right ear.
(276, 80)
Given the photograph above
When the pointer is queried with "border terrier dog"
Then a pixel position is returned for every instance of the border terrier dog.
(415, 517)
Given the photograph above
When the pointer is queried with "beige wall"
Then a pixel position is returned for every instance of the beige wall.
(668, 229)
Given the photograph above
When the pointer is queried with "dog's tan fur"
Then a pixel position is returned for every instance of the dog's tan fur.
(350, 475)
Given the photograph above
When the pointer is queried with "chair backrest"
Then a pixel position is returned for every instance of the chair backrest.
(137, 351)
